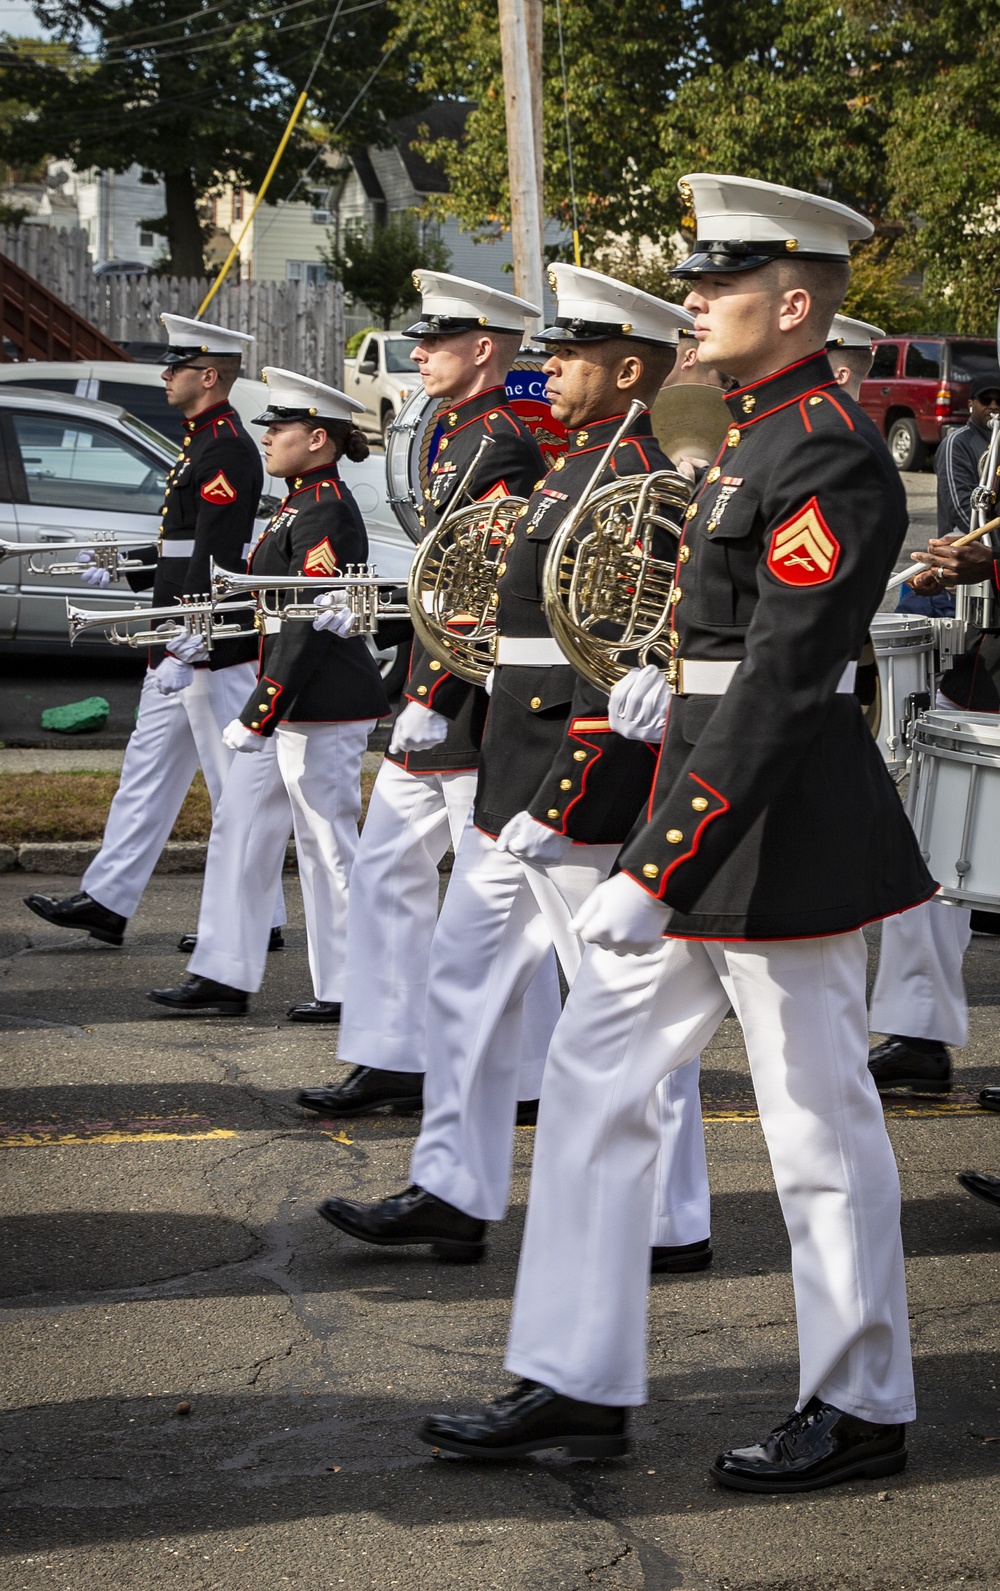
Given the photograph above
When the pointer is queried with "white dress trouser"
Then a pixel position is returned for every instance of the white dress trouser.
(173, 735)
(919, 990)
(579, 1320)
(497, 923)
(393, 909)
(307, 779)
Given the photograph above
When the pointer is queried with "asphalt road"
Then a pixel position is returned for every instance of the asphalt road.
(161, 1248)
(31, 683)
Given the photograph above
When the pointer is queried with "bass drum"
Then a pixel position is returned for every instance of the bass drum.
(412, 440)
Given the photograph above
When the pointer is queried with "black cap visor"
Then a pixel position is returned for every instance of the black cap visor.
(275, 415)
(731, 255)
(183, 355)
(594, 331)
(451, 325)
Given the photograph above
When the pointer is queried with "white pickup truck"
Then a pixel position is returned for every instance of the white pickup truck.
(381, 377)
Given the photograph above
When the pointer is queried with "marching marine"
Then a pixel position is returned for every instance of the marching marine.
(211, 498)
(772, 834)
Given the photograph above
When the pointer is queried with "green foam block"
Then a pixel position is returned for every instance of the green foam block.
(77, 718)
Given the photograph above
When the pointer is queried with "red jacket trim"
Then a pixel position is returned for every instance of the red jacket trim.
(696, 841)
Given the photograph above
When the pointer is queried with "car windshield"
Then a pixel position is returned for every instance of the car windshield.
(968, 359)
(397, 356)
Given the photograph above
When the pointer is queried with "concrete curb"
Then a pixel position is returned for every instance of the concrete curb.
(73, 856)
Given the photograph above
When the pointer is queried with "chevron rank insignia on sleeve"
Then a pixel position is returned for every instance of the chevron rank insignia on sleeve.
(219, 489)
(320, 560)
(804, 551)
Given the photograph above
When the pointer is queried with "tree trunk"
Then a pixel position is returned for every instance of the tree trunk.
(183, 227)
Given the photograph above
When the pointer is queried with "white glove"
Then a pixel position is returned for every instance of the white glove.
(417, 729)
(172, 676)
(531, 841)
(189, 648)
(639, 704)
(621, 916)
(238, 737)
(488, 682)
(334, 616)
(89, 572)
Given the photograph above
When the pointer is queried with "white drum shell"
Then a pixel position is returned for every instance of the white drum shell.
(904, 652)
(954, 803)
(403, 447)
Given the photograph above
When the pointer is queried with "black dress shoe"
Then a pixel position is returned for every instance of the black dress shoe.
(527, 1113)
(989, 1098)
(203, 997)
(315, 1011)
(531, 1418)
(80, 911)
(414, 1216)
(818, 1447)
(682, 1257)
(984, 922)
(276, 941)
(982, 1185)
(921, 1064)
(367, 1088)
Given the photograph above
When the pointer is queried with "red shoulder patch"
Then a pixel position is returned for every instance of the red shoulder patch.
(804, 551)
(494, 493)
(219, 489)
(320, 560)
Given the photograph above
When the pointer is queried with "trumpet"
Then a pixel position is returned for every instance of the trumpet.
(108, 554)
(607, 599)
(190, 616)
(369, 597)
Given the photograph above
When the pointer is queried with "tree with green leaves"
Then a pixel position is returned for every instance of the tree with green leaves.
(376, 264)
(198, 99)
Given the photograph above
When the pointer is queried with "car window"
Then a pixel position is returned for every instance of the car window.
(397, 356)
(968, 359)
(923, 360)
(370, 352)
(41, 383)
(884, 362)
(146, 403)
(69, 463)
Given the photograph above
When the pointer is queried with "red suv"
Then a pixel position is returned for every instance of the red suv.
(919, 387)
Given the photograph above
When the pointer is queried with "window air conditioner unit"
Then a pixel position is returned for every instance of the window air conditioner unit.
(322, 217)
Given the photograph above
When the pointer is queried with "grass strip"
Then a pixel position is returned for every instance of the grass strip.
(38, 807)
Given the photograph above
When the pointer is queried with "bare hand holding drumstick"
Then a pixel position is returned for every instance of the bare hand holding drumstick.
(953, 565)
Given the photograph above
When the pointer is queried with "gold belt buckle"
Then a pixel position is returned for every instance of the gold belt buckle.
(675, 675)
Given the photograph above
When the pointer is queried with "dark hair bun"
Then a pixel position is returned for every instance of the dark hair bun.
(356, 446)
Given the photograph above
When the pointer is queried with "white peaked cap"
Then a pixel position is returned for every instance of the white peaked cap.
(743, 223)
(189, 338)
(451, 304)
(848, 333)
(591, 307)
(294, 397)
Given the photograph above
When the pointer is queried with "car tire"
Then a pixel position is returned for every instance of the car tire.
(393, 664)
(904, 443)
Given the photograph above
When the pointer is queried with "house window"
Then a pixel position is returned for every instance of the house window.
(312, 272)
(238, 204)
(146, 240)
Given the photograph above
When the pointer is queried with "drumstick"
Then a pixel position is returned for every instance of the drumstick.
(963, 541)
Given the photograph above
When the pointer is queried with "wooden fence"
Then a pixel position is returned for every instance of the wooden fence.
(297, 326)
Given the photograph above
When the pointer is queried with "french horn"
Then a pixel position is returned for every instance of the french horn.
(453, 580)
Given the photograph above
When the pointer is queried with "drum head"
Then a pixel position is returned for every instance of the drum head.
(414, 435)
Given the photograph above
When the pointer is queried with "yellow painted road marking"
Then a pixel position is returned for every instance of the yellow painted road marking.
(46, 1140)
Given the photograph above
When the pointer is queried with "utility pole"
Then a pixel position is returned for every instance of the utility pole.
(521, 50)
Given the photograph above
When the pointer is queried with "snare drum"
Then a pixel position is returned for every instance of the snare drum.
(904, 652)
(954, 803)
(407, 445)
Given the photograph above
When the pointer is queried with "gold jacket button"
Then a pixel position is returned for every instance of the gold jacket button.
(255, 725)
(650, 870)
(673, 639)
(536, 701)
(187, 441)
(560, 463)
(565, 784)
(522, 511)
(733, 436)
(691, 510)
(501, 569)
(713, 475)
(814, 400)
(435, 665)
(272, 690)
(674, 836)
(684, 555)
(552, 813)
(700, 804)
(539, 484)
(579, 756)
(748, 404)
(421, 690)
(675, 596)
(453, 418)
(494, 415)
(710, 527)
(262, 707)
(442, 444)
(582, 437)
